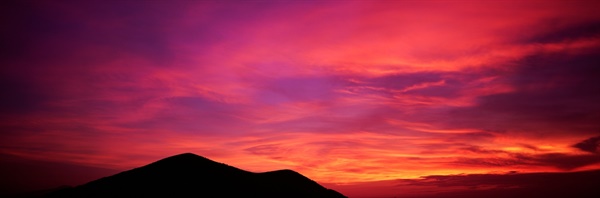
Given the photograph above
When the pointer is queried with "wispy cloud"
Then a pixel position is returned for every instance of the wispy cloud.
(341, 91)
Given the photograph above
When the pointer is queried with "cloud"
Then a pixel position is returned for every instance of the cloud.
(564, 161)
(20, 96)
(558, 160)
(280, 90)
(503, 185)
(344, 92)
(564, 31)
(591, 145)
(553, 93)
(510, 184)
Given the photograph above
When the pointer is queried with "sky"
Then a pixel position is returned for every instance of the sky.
(344, 92)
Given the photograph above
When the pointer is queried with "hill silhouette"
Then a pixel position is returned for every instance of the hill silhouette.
(190, 175)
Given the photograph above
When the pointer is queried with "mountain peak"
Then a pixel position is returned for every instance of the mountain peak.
(184, 156)
(191, 175)
(185, 159)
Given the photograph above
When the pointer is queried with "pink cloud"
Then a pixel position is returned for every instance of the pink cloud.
(341, 91)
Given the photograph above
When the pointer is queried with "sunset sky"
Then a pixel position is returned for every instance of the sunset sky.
(344, 92)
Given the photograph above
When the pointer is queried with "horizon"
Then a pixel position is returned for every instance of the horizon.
(347, 93)
(532, 184)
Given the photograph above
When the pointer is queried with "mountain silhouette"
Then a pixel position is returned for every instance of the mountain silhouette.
(190, 175)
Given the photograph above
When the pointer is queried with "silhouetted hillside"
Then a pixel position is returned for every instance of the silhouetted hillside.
(190, 175)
